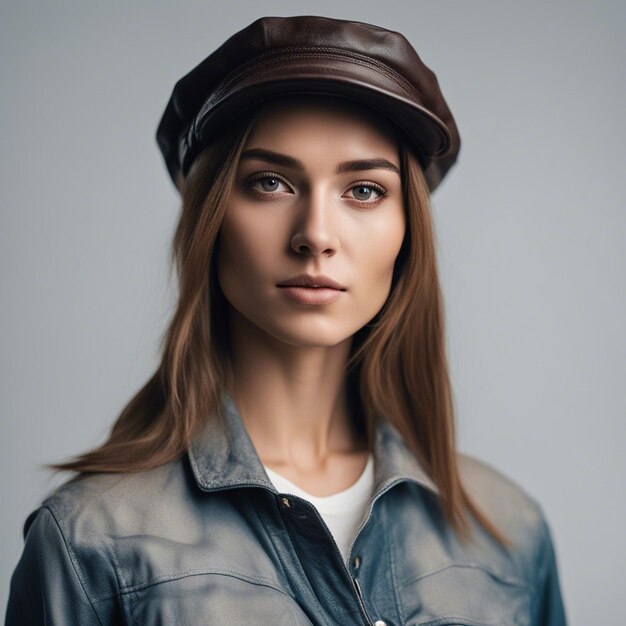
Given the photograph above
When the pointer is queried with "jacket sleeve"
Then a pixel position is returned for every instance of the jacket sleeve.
(548, 605)
(45, 586)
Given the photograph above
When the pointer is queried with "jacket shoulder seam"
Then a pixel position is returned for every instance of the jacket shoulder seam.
(73, 560)
(50, 505)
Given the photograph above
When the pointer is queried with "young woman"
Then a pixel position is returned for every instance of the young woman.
(292, 461)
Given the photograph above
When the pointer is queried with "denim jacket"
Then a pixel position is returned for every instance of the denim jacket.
(207, 540)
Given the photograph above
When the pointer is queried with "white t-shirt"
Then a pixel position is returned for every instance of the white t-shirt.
(341, 511)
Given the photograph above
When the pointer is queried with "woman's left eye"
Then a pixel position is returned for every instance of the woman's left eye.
(367, 193)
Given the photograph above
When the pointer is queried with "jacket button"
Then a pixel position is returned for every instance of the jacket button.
(379, 622)
(285, 502)
(356, 562)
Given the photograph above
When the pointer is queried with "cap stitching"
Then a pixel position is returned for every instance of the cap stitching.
(334, 53)
(337, 54)
(383, 67)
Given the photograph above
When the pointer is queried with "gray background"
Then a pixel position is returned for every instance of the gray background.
(530, 228)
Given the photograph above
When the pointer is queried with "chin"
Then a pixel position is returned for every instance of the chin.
(312, 335)
(308, 330)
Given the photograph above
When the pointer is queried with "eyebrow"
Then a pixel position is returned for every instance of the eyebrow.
(259, 154)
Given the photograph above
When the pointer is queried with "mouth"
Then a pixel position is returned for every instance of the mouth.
(308, 281)
(311, 290)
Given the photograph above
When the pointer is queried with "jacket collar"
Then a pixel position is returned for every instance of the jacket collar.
(224, 457)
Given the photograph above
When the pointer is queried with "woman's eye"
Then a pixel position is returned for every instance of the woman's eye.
(269, 184)
(266, 183)
(367, 193)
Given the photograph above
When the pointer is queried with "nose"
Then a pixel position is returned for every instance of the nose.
(315, 230)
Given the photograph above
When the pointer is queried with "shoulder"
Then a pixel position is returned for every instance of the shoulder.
(108, 504)
(72, 565)
(511, 508)
(90, 497)
(521, 518)
(498, 494)
(89, 514)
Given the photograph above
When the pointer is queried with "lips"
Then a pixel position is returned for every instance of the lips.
(313, 282)
(311, 290)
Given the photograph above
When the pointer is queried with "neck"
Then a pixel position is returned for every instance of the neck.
(292, 399)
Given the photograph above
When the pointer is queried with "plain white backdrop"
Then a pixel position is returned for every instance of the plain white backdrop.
(530, 226)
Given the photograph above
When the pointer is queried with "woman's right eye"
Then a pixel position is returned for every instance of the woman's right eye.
(266, 183)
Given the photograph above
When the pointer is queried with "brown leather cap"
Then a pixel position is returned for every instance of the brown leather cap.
(277, 56)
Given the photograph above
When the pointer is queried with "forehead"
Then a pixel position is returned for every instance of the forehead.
(322, 120)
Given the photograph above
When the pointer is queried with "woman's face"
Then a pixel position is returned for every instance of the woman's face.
(317, 194)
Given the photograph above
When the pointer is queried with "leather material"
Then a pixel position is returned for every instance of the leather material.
(278, 56)
(207, 540)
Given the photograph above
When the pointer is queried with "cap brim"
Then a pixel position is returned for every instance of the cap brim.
(429, 134)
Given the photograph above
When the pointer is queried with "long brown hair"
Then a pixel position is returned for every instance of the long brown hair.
(397, 367)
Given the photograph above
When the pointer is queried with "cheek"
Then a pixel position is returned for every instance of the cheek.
(381, 249)
(245, 250)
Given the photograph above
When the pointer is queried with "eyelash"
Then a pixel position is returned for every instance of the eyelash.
(249, 184)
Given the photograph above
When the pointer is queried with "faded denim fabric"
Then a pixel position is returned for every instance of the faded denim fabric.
(208, 540)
